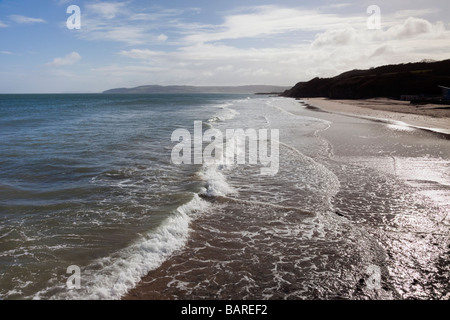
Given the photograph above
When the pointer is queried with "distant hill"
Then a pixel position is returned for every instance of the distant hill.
(155, 89)
(391, 81)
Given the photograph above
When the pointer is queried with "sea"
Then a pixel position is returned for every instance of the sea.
(94, 206)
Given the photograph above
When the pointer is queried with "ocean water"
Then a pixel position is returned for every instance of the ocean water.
(88, 181)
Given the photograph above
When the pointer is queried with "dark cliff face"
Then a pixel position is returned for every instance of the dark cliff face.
(390, 81)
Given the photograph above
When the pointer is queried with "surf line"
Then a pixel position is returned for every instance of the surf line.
(235, 151)
(224, 199)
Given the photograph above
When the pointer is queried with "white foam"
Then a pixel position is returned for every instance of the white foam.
(213, 174)
(225, 113)
(216, 183)
(112, 277)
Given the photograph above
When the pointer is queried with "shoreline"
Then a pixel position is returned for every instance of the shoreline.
(433, 118)
(229, 254)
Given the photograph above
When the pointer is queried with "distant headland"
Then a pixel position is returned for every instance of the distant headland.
(156, 89)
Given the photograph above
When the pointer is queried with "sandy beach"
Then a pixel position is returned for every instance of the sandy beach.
(431, 117)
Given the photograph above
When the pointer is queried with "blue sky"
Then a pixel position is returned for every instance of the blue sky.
(128, 43)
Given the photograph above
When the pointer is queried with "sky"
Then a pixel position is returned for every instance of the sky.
(128, 43)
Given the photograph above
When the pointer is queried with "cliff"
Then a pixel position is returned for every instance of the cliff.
(391, 81)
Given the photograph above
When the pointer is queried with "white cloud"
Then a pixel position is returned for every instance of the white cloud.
(335, 37)
(118, 21)
(3, 25)
(25, 20)
(5, 52)
(162, 37)
(107, 10)
(117, 70)
(156, 14)
(69, 59)
(403, 14)
(121, 22)
(123, 33)
(382, 50)
(338, 47)
(340, 5)
(411, 27)
(266, 21)
(142, 54)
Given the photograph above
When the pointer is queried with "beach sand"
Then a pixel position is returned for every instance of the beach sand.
(431, 117)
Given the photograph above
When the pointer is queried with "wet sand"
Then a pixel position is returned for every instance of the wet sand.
(416, 236)
(431, 117)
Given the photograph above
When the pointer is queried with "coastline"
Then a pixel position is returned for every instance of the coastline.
(434, 118)
(392, 196)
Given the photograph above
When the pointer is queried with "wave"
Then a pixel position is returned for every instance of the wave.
(216, 183)
(112, 277)
(224, 114)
